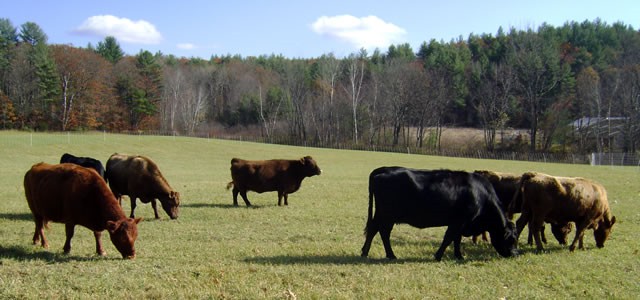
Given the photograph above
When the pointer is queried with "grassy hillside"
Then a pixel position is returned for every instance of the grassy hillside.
(309, 249)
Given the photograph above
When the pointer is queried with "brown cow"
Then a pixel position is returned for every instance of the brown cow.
(283, 176)
(139, 177)
(506, 186)
(562, 200)
(74, 195)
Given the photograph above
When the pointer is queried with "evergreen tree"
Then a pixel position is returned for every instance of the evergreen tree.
(32, 34)
(110, 49)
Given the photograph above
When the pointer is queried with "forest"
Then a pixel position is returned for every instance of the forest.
(573, 88)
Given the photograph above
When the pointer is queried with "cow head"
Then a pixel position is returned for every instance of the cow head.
(170, 204)
(310, 166)
(506, 245)
(561, 231)
(123, 234)
(603, 229)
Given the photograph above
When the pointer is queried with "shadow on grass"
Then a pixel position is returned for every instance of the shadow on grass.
(16, 216)
(524, 248)
(472, 254)
(23, 254)
(219, 205)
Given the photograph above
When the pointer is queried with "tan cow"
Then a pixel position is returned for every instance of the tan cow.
(506, 186)
(561, 200)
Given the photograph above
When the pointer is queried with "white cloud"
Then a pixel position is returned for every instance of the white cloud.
(186, 46)
(367, 32)
(123, 29)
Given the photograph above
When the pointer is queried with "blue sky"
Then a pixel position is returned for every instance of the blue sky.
(300, 29)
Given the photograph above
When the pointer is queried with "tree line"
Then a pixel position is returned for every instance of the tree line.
(540, 79)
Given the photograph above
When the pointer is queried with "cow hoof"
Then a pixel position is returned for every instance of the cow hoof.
(393, 257)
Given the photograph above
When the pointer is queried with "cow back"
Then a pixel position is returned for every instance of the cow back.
(86, 162)
(136, 175)
(69, 193)
(565, 199)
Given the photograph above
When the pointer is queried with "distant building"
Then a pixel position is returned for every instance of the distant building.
(610, 129)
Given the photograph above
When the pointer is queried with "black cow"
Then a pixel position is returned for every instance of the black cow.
(465, 202)
(86, 162)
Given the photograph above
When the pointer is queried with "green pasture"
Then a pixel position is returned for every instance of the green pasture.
(307, 250)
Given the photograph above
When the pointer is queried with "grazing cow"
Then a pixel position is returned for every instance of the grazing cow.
(283, 176)
(561, 200)
(139, 177)
(506, 186)
(465, 202)
(86, 162)
(74, 195)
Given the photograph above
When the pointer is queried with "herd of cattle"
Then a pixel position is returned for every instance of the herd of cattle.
(80, 191)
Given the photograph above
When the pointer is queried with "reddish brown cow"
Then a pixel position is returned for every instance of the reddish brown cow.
(283, 176)
(74, 195)
(561, 200)
(139, 177)
(506, 186)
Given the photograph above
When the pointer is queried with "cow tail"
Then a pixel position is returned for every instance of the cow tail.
(229, 185)
(369, 211)
(514, 202)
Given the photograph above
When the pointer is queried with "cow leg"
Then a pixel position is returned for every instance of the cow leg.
(69, 229)
(452, 234)
(235, 192)
(385, 234)
(280, 195)
(99, 250)
(543, 237)
(38, 235)
(370, 232)
(155, 208)
(244, 197)
(456, 247)
(521, 222)
(133, 206)
(535, 226)
(580, 228)
(286, 199)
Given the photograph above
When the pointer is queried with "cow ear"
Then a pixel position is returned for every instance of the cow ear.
(112, 226)
(613, 220)
(137, 220)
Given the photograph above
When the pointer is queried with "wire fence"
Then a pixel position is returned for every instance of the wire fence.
(618, 159)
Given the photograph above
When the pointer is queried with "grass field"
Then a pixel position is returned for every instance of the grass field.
(307, 250)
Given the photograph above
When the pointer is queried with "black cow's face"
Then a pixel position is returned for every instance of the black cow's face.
(171, 204)
(602, 232)
(311, 166)
(507, 245)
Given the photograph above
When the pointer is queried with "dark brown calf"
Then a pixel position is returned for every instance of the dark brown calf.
(74, 195)
(283, 176)
(139, 177)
